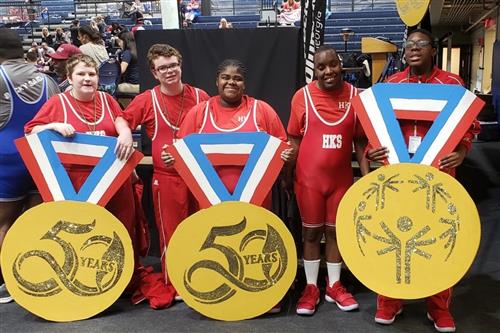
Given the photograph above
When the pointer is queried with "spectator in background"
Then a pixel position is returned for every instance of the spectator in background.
(139, 25)
(92, 44)
(128, 63)
(136, 10)
(117, 28)
(47, 37)
(43, 53)
(34, 47)
(73, 28)
(101, 26)
(290, 13)
(60, 38)
(182, 12)
(32, 58)
(45, 14)
(59, 59)
(224, 24)
(192, 11)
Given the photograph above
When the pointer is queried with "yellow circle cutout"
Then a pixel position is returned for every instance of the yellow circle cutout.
(232, 261)
(408, 230)
(412, 11)
(67, 260)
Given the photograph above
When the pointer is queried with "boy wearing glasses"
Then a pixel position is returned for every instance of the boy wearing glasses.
(419, 53)
(162, 110)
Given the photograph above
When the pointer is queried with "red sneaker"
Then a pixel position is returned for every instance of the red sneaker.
(308, 301)
(387, 309)
(438, 311)
(339, 295)
(443, 321)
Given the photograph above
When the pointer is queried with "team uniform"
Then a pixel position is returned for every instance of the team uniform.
(327, 125)
(63, 108)
(251, 115)
(441, 301)
(23, 91)
(162, 115)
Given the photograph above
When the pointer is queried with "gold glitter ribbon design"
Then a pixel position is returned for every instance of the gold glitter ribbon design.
(273, 248)
(114, 256)
(404, 250)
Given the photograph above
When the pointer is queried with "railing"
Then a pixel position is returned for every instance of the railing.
(357, 5)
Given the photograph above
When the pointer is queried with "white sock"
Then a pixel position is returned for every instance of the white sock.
(333, 269)
(311, 267)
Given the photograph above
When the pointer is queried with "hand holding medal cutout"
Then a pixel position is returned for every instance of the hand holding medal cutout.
(75, 258)
(407, 219)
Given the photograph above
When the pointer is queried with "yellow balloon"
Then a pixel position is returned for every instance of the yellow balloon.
(232, 261)
(408, 230)
(67, 260)
(412, 11)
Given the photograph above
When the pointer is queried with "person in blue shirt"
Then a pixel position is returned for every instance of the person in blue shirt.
(23, 90)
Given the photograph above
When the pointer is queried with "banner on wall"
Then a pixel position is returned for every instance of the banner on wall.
(313, 31)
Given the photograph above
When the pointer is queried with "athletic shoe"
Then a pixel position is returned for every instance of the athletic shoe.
(308, 301)
(443, 321)
(387, 309)
(4, 295)
(339, 295)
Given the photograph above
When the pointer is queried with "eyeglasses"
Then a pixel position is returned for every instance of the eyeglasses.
(163, 69)
(409, 44)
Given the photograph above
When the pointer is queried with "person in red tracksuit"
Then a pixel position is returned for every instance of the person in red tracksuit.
(324, 127)
(161, 111)
(419, 53)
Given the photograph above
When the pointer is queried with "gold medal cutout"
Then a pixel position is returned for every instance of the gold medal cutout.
(67, 260)
(408, 230)
(232, 261)
(412, 11)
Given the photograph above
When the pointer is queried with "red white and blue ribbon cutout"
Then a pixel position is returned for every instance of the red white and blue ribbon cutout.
(451, 108)
(45, 152)
(260, 153)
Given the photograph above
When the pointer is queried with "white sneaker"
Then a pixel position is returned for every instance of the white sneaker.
(4, 295)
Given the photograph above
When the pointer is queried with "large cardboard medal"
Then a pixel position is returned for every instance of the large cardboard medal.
(67, 260)
(232, 261)
(408, 231)
(412, 11)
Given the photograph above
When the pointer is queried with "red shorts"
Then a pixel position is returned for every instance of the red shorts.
(317, 209)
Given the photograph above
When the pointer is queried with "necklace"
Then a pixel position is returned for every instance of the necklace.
(92, 130)
(175, 127)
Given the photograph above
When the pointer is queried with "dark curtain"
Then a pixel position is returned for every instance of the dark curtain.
(270, 55)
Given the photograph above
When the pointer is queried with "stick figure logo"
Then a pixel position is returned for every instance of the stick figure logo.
(407, 220)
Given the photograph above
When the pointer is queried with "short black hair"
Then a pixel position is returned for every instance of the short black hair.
(31, 56)
(324, 48)
(232, 63)
(11, 46)
(423, 32)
